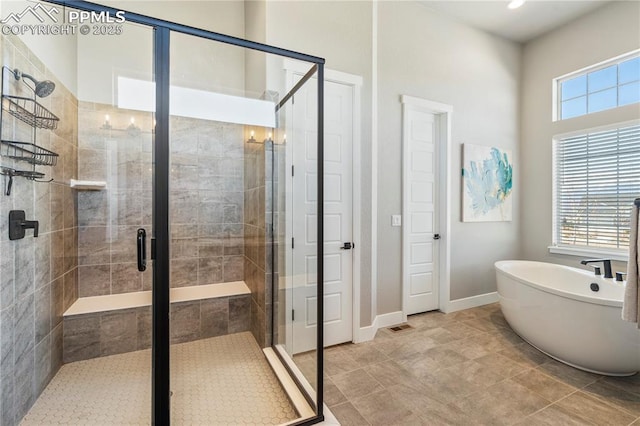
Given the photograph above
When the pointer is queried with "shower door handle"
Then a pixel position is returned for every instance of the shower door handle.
(142, 250)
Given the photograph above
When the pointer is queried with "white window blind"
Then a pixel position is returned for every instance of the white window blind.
(597, 177)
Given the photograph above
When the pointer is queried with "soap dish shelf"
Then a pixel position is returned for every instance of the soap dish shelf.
(28, 152)
(30, 112)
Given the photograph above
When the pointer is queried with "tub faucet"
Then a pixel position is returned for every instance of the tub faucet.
(605, 262)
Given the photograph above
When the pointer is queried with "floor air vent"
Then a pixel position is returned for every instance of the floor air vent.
(400, 327)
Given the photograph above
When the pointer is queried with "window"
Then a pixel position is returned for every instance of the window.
(596, 179)
(607, 86)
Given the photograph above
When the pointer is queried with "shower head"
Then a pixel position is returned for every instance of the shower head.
(42, 88)
(45, 88)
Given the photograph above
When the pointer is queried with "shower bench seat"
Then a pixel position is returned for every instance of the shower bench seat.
(116, 323)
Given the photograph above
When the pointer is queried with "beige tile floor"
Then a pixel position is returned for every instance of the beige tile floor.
(219, 381)
(467, 368)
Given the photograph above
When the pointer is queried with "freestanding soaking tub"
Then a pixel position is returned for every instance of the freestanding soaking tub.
(554, 309)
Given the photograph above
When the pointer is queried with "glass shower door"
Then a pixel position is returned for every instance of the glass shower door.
(296, 170)
(116, 144)
(227, 159)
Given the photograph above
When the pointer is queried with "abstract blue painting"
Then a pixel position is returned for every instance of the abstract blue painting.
(487, 184)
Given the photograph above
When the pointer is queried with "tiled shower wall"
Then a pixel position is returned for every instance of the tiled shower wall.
(38, 276)
(259, 217)
(282, 311)
(207, 200)
(108, 219)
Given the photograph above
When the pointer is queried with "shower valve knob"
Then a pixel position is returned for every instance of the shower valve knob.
(18, 224)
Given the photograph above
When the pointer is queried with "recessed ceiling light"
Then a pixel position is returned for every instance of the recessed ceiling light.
(515, 4)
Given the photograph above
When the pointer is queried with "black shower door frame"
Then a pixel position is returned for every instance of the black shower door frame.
(160, 242)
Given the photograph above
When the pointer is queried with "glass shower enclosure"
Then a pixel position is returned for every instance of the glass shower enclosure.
(183, 280)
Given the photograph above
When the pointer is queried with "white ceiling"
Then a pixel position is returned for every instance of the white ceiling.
(534, 18)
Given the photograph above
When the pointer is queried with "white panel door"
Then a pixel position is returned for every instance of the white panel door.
(338, 263)
(420, 275)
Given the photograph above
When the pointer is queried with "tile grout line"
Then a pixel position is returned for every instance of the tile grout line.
(550, 404)
(598, 397)
(607, 402)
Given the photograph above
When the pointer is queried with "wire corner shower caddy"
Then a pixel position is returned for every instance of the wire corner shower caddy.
(29, 111)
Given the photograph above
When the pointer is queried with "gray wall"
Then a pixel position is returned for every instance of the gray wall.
(58, 53)
(195, 62)
(255, 62)
(432, 57)
(603, 34)
(477, 73)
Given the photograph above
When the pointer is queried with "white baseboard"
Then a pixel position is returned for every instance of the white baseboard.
(364, 334)
(381, 321)
(471, 302)
(392, 318)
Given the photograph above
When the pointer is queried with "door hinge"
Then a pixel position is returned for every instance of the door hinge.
(153, 249)
(293, 315)
(292, 242)
(292, 170)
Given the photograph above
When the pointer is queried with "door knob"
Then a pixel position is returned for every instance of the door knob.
(436, 236)
(347, 246)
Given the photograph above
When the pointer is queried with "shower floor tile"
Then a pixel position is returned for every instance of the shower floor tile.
(219, 381)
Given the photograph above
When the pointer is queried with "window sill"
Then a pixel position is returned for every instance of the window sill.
(590, 252)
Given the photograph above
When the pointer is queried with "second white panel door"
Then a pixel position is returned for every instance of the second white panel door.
(420, 273)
